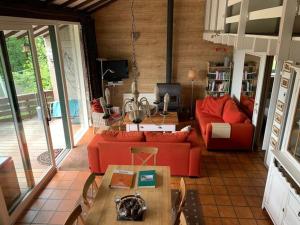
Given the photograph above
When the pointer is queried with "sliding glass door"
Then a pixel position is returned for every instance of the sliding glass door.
(27, 153)
(43, 106)
(73, 71)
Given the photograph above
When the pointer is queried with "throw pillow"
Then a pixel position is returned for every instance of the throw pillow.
(232, 114)
(133, 136)
(122, 136)
(109, 135)
(214, 106)
(178, 137)
(187, 128)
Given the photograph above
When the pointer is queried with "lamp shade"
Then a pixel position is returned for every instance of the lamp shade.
(192, 74)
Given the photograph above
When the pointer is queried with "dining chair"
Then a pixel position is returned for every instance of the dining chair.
(90, 188)
(180, 201)
(136, 152)
(75, 217)
(182, 219)
(182, 194)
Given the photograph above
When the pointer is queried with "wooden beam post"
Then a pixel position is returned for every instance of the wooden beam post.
(207, 15)
(289, 13)
(242, 24)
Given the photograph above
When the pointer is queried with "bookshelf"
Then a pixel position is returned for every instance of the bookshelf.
(218, 79)
(249, 82)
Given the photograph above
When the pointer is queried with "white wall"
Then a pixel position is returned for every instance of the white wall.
(237, 76)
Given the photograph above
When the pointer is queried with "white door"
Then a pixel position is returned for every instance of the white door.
(260, 79)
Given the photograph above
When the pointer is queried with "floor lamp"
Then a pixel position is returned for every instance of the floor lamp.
(192, 74)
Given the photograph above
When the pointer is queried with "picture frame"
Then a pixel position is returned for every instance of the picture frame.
(275, 131)
(284, 83)
(278, 118)
(280, 105)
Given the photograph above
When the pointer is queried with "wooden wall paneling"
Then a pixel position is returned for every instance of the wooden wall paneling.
(113, 26)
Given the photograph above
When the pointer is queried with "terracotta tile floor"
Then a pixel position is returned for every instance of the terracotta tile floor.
(230, 191)
(231, 188)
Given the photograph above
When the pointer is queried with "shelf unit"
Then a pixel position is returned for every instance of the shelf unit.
(218, 79)
(249, 82)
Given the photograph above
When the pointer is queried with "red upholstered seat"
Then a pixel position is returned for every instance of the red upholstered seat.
(232, 114)
(241, 127)
(247, 104)
(205, 118)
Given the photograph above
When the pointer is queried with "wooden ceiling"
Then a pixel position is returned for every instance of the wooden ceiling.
(76, 6)
(88, 6)
(38, 31)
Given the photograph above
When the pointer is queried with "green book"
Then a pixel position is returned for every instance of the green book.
(147, 179)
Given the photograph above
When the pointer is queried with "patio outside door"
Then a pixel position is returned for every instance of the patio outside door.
(26, 148)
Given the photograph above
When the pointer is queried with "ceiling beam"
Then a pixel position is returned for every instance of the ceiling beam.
(40, 10)
(69, 2)
(47, 33)
(82, 4)
(11, 33)
(41, 32)
(34, 29)
(100, 6)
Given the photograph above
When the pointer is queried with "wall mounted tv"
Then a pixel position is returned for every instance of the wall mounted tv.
(119, 67)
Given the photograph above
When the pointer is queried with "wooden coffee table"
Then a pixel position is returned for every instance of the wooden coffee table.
(154, 123)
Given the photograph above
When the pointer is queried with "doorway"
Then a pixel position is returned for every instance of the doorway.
(255, 92)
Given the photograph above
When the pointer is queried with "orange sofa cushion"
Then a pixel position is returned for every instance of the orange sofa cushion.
(205, 119)
(178, 137)
(214, 106)
(232, 114)
(123, 136)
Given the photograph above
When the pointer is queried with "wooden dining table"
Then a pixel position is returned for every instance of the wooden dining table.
(158, 200)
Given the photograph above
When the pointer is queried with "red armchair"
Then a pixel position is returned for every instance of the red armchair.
(224, 110)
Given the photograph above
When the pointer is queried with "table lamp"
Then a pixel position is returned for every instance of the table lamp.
(192, 75)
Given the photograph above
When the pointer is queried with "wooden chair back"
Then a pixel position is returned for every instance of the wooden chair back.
(182, 194)
(182, 219)
(75, 217)
(137, 151)
(89, 186)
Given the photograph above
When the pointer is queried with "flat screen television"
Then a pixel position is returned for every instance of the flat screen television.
(119, 67)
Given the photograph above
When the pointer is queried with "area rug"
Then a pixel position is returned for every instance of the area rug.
(191, 208)
(44, 158)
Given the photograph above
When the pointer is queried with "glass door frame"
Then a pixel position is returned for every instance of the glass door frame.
(12, 96)
(18, 23)
(294, 101)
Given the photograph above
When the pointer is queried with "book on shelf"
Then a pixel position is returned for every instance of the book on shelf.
(248, 86)
(147, 179)
(217, 86)
(219, 75)
(249, 75)
(121, 179)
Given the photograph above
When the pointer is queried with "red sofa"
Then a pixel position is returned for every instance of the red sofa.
(247, 105)
(181, 150)
(224, 110)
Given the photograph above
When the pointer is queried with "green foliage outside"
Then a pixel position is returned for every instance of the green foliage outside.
(22, 65)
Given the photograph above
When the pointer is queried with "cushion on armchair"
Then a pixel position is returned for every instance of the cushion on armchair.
(232, 114)
(214, 106)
